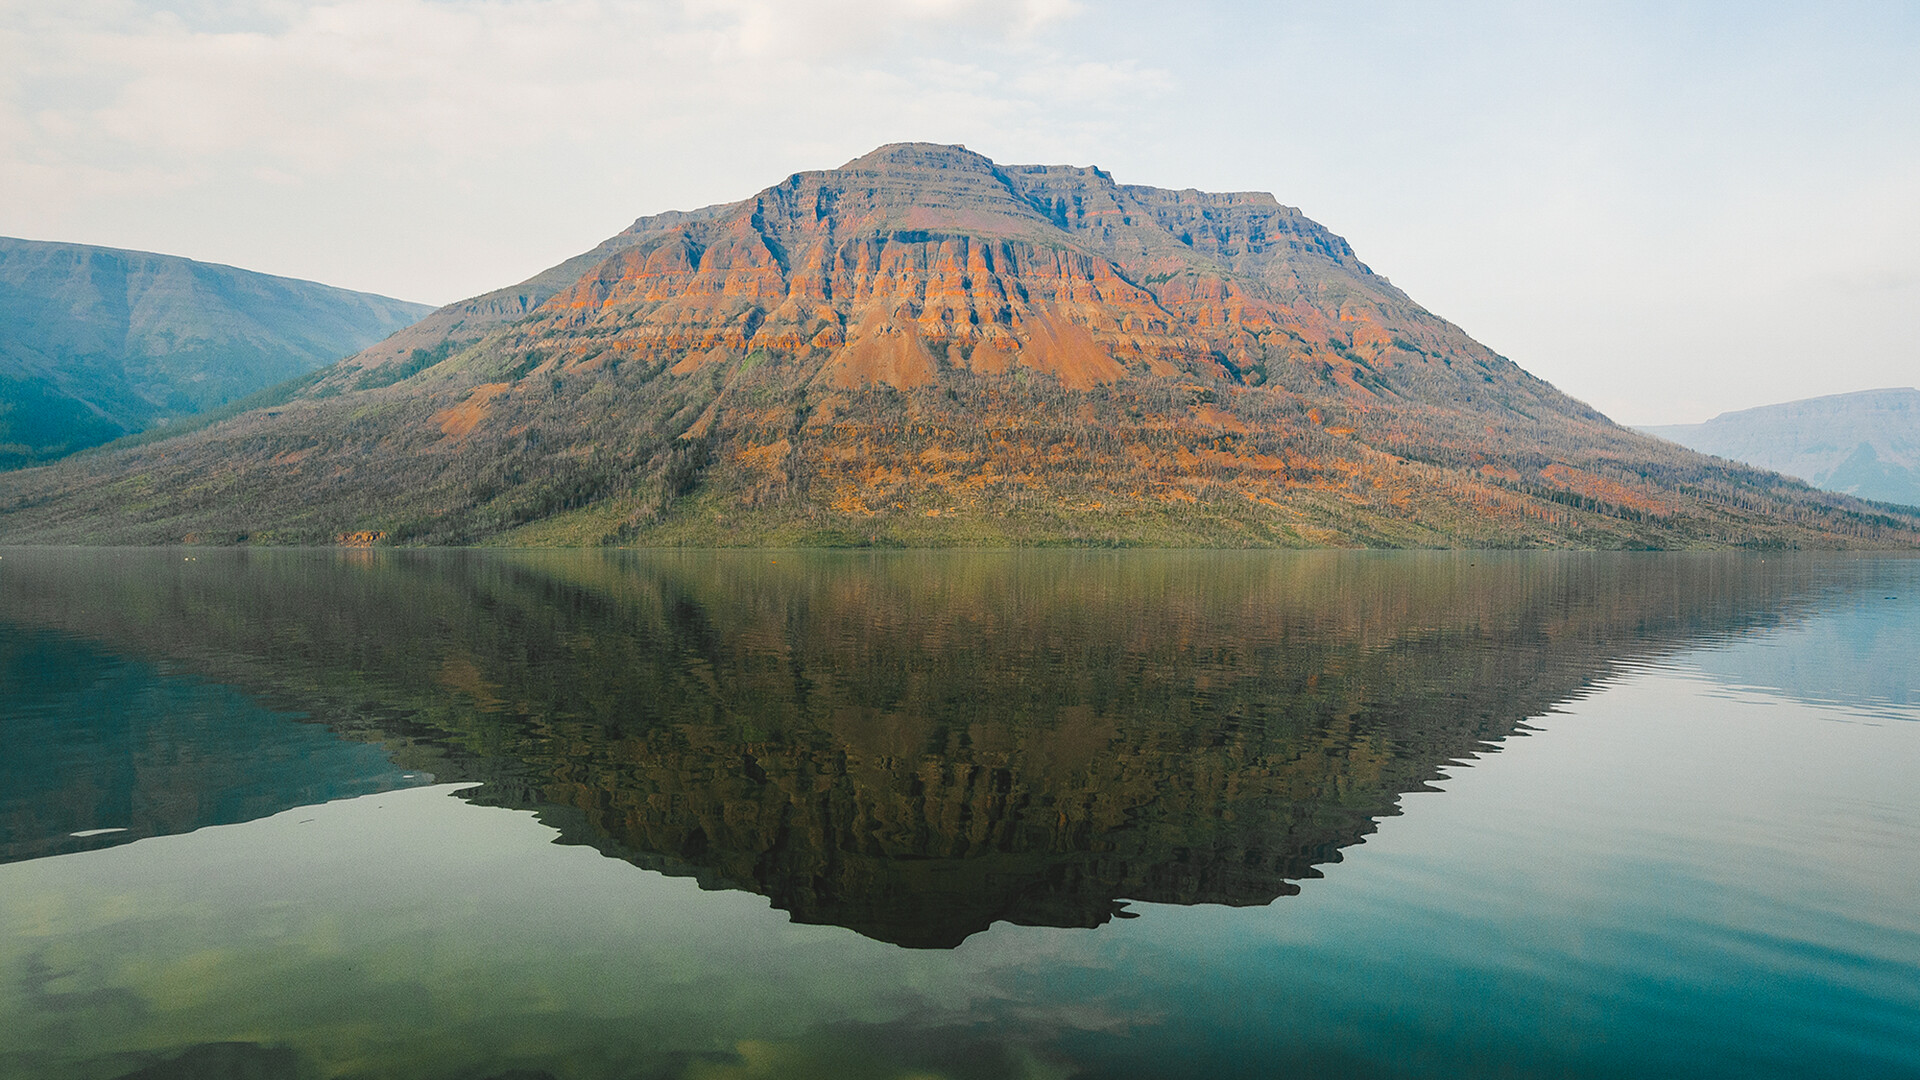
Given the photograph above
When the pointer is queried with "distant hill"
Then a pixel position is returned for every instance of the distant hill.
(925, 347)
(1865, 444)
(96, 343)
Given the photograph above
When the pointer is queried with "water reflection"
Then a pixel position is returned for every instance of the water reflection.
(102, 750)
(911, 745)
(1860, 651)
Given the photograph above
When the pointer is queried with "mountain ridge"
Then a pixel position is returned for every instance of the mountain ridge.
(1865, 443)
(926, 347)
(99, 342)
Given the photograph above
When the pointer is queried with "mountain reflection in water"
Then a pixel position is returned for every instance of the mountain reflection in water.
(910, 745)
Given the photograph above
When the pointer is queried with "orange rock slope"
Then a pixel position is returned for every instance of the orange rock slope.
(901, 256)
(923, 346)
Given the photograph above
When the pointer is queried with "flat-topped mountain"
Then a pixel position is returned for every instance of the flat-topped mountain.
(97, 342)
(926, 347)
(1865, 443)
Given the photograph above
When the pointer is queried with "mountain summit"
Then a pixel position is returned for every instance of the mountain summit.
(926, 347)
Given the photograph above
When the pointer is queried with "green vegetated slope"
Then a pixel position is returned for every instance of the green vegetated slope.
(924, 347)
(1865, 444)
(96, 343)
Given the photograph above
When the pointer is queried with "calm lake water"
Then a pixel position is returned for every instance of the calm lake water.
(734, 815)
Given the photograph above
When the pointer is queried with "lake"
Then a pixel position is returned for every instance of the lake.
(484, 815)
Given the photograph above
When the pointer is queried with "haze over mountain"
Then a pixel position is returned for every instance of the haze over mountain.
(96, 343)
(925, 347)
(1865, 443)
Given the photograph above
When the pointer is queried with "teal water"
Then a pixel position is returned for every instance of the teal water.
(476, 815)
(115, 749)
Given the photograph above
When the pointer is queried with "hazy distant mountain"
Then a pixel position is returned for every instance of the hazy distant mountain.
(98, 342)
(1865, 444)
(926, 347)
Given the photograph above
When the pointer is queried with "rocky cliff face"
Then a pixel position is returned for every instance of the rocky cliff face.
(925, 347)
(902, 258)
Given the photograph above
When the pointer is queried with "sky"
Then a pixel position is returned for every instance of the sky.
(1668, 210)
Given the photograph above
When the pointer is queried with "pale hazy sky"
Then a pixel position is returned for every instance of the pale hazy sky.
(1668, 210)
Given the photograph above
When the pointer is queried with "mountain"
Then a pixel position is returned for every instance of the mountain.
(1865, 444)
(96, 342)
(925, 347)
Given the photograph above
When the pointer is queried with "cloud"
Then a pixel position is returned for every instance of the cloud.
(246, 131)
(319, 88)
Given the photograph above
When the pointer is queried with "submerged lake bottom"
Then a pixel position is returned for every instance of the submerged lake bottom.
(481, 815)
